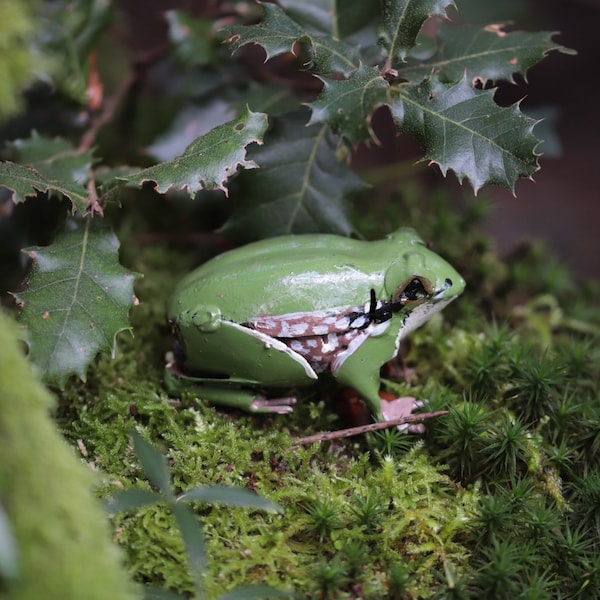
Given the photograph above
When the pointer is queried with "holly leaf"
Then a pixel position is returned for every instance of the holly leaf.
(330, 56)
(330, 17)
(301, 185)
(347, 105)
(56, 159)
(23, 181)
(402, 21)
(76, 301)
(316, 16)
(47, 164)
(277, 33)
(463, 129)
(209, 160)
(483, 54)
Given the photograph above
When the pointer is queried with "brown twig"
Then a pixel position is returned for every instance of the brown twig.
(344, 433)
(107, 114)
(94, 205)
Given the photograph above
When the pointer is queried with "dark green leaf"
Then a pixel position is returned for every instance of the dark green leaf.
(484, 54)
(464, 130)
(131, 499)
(318, 25)
(402, 21)
(25, 181)
(76, 301)
(193, 538)
(230, 496)
(277, 33)
(315, 16)
(272, 99)
(210, 160)
(191, 38)
(354, 17)
(346, 105)
(256, 592)
(153, 464)
(331, 17)
(52, 152)
(190, 124)
(56, 159)
(301, 186)
(329, 56)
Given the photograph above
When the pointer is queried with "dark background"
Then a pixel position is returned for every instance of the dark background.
(562, 206)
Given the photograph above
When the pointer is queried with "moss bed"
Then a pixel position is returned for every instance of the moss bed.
(500, 498)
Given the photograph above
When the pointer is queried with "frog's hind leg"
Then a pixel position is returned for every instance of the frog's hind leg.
(225, 392)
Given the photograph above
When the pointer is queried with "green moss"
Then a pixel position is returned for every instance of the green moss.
(420, 513)
(494, 491)
(155, 552)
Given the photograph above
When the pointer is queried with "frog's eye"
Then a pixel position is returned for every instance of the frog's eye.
(414, 291)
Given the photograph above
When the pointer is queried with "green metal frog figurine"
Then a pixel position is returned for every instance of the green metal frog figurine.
(279, 313)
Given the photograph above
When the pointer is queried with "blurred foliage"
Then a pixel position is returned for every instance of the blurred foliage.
(16, 64)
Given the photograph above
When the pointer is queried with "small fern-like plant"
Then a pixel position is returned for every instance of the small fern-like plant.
(155, 468)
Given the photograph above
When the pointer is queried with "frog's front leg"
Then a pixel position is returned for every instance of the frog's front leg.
(360, 369)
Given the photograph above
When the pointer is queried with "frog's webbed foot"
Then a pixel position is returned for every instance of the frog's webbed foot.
(279, 406)
(402, 407)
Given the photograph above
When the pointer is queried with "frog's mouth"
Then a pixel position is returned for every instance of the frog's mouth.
(415, 291)
(421, 314)
(437, 297)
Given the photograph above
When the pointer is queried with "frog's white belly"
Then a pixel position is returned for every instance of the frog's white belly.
(418, 316)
